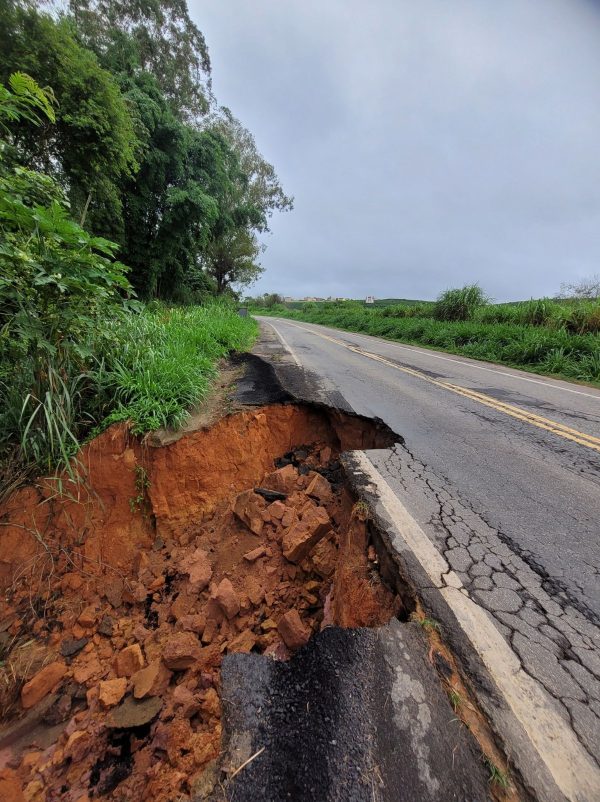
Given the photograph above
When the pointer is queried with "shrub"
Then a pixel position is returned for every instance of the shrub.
(539, 312)
(459, 304)
(57, 286)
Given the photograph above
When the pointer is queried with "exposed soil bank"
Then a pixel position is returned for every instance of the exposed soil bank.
(121, 602)
(176, 485)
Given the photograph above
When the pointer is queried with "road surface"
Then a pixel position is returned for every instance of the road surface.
(501, 470)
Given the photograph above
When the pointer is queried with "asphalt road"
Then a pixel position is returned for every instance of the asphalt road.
(501, 469)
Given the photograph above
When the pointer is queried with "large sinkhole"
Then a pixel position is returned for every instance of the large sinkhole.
(243, 538)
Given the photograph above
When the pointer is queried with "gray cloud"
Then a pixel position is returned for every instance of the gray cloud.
(427, 143)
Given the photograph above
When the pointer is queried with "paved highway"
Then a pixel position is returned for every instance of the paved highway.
(501, 470)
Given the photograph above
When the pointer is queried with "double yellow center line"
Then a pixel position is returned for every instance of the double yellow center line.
(541, 422)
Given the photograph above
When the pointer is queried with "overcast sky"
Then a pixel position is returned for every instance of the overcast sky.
(427, 143)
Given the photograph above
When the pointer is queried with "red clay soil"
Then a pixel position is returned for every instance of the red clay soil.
(121, 604)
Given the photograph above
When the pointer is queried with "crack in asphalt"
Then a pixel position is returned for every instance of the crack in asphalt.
(555, 636)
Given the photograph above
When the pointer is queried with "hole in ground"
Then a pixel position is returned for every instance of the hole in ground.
(217, 567)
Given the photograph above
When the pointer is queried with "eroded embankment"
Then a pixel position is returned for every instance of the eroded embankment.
(123, 600)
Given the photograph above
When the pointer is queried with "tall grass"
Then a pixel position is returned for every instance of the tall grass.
(460, 303)
(165, 362)
(148, 367)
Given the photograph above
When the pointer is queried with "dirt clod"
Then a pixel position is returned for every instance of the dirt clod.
(303, 536)
(181, 651)
(42, 683)
(226, 597)
(112, 691)
(152, 680)
(294, 633)
(128, 661)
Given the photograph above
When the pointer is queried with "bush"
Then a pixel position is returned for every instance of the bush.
(57, 286)
(459, 304)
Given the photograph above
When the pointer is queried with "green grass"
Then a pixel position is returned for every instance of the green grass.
(149, 368)
(497, 776)
(166, 361)
(540, 336)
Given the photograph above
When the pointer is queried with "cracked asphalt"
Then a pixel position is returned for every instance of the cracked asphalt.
(511, 502)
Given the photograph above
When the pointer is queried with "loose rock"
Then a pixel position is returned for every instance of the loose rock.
(70, 647)
(253, 555)
(193, 623)
(42, 683)
(300, 539)
(292, 630)
(132, 713)
(198, 566)
(152, 680)
(105, 627)
(181, 651)
(227, 598)
(78, 745)
(128, 661)
(283, 480)
(276, 510)
(112, 691)
(244, 642)
(320, 489)
(88, 617)
(247, 506)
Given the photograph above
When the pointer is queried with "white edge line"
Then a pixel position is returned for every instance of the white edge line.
(285, 344)
(556, 744)
(426, 352)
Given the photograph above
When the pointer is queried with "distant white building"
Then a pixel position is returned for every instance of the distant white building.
(370, 299)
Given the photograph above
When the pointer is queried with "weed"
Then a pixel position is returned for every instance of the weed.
(455, 699)
(426, 623)
(497, 776)
(361, 510)
(459, 304)
(148, 367)
(142, 483)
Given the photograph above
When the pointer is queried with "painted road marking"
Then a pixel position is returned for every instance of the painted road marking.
(568, 433)
(285, 344)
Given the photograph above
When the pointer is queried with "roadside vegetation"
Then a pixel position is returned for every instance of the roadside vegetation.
(130, 209)
(549, 336)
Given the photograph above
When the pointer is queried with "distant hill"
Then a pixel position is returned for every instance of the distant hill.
(404, 301)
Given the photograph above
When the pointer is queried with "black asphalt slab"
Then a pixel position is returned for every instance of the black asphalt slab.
(355, 716)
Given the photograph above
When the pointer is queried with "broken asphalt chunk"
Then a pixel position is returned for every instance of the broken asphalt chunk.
(270, 495)
(132, 713)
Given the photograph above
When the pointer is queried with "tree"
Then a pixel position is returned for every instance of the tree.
(57, 286)
(94, 145)
(184, 194)
(153, 37)
(232, 255)
(178, 203)
(260, 188)
(232, 259)
(586, 288)
(269, 300)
